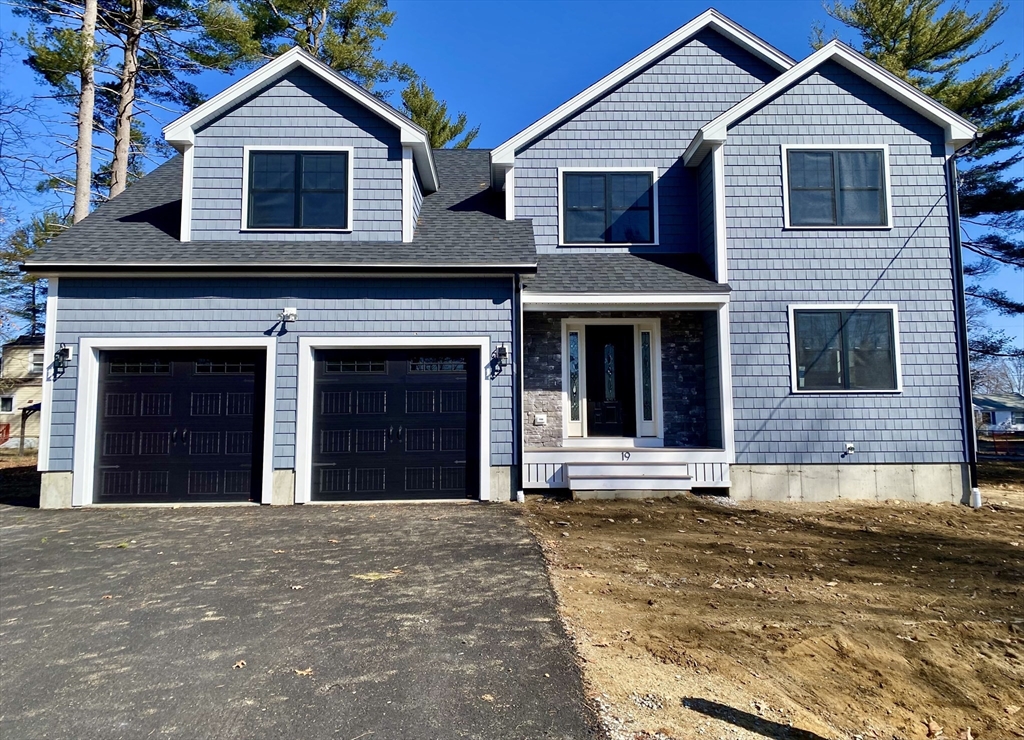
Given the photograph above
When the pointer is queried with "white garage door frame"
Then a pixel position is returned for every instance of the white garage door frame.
(87, 401)
(304, 427)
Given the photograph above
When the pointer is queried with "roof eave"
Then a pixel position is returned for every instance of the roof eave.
(959, 131)
(181, 132)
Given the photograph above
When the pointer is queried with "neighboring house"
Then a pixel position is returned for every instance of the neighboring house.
(21, 388)
(714, 268)
(1000, 412)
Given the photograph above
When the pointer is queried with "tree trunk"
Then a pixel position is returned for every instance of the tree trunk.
(126, 100)
(86, 103)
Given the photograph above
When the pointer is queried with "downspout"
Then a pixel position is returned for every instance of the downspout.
(518, 365)
(970, 438)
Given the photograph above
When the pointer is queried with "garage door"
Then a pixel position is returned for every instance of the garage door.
(395, 424)
(180, 426)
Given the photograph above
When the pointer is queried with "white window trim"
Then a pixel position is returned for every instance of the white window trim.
(248, 149)
(86, 404)
(5, 398)
(892, 307)
(656, 437)
(654, 172)
(304, 414)
(32, 363)
(886, 183)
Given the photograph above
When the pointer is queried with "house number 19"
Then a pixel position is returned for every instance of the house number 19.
(625, 455)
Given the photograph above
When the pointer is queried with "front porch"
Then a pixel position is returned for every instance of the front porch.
(626, 392)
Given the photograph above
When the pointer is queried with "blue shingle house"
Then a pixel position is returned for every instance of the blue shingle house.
(715, 268)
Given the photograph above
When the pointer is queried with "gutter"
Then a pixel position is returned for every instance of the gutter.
(44, 268)
(967, 406)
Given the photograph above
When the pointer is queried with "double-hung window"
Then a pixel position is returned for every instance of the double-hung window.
(608, 207)
(6, 404)
(38, 363)
(844, 349)
(836, 188)
(299, 190)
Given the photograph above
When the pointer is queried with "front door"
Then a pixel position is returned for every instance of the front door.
(611, 380)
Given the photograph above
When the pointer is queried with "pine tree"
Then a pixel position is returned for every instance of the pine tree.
(929, 44)
(344, 34)
(65, 56)
(23, 296)
(432, 114)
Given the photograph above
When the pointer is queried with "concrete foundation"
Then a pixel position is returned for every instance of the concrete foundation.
(283, 493)
(945, 483)
(501, 483)
(55, 490)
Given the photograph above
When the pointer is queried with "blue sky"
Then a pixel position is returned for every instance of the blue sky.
(506, 64)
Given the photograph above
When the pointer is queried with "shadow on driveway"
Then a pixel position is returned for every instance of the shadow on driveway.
(376, 622)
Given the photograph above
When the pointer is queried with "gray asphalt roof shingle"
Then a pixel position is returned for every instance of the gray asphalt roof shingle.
(460, 225)
(621, 272)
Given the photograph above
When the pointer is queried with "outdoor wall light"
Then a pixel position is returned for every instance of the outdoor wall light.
(61, 360)
(288, 314)
(501, 355)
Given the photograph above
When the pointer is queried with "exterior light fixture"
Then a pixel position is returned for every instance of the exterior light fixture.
(288, 314)
(501, 355)
(61, 360)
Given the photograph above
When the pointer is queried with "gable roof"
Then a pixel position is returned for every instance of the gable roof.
(959, 131)
(461, 229)
(180, 133)
(504, 154)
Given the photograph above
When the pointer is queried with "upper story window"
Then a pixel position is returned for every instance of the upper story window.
(836, 188)
(299, 190)
(6, 404)
(841, 349)
(608, 207)
(38, 363)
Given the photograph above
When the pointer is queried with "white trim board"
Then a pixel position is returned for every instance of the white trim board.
(49, 349)
(181, 132)
(613, 301)
(248, 149)
(655, 174)
(959, 131)
(87, 399)
(408, 183)
(304, 411)
(886, 184)
(504, 153)
(892, 307)
(187, 181)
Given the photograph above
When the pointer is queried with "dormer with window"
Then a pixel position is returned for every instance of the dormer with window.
(296, 152)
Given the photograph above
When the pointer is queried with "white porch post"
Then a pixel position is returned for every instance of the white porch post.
(725, 384)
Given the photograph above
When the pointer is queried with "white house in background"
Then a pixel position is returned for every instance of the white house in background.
(1002, 412)
(21, 386)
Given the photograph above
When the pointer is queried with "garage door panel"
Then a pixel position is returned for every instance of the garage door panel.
(393, 424)
(180, 425)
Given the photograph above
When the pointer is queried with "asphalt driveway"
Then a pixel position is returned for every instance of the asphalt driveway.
(369, 622)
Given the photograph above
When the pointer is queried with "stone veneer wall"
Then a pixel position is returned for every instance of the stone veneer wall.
(682, 376)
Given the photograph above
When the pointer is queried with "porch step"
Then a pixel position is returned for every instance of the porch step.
(629, 470)
(629, 476)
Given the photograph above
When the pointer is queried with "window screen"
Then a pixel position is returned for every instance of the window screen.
(298, 190)
(844, 350)
(608, 208)
(836, 188)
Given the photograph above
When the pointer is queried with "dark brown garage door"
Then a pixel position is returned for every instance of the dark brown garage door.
(180, 426)
(395, 424)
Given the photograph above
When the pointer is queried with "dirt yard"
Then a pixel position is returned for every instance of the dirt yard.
(697, 619)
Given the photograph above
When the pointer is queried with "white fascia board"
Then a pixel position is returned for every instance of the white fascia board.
(181, 132)
(505, 153)
(610, 301)
(959, 131)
